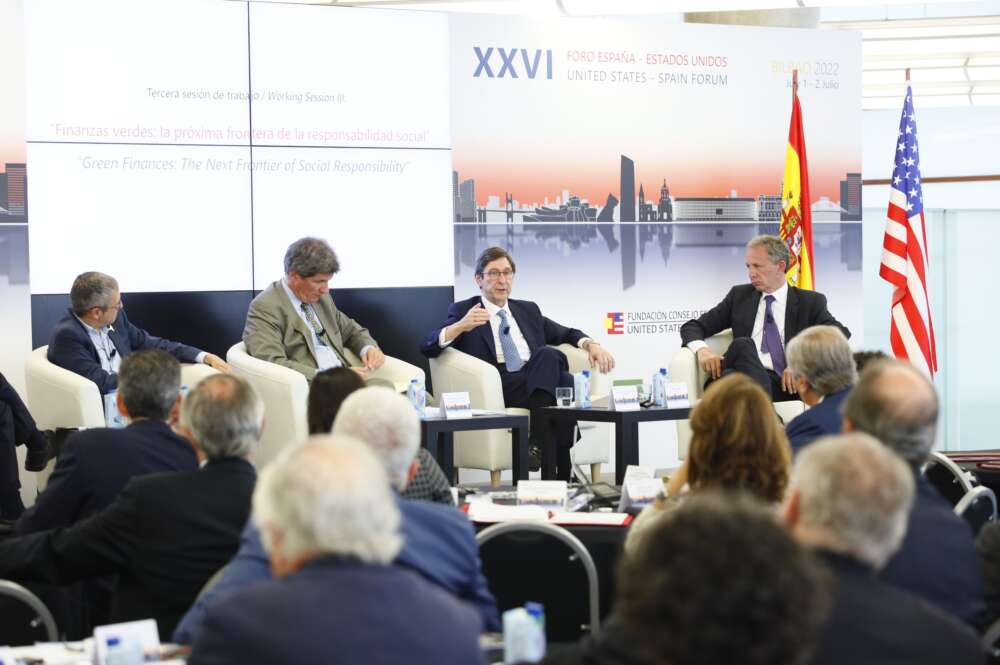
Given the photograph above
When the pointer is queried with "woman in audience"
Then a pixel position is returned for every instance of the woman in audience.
(327, 392)
(737, 443)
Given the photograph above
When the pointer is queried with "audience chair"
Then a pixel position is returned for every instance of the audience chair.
(978, 507)
(947, 477)
(26, 620)
(684, 369)
(58, 397)
(542, 562)
(455, 371)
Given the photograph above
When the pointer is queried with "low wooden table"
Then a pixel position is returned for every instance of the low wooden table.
(437, 435)
(626, 431)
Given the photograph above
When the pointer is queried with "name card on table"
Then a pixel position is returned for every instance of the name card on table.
(549, 494)
(637, 493)
(636, 472)
(143, 634)
(625, 398)
(677, 396)
(456, 405)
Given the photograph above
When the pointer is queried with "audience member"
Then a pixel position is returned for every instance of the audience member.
(438, 542)
(717, 581)
(736, 444)
(16, 427)
(95, 335)
(331, 530)
(988, 550)
(326, 393)
(167, 533)
(848, 499)
(823, 372)
(897, 405)
(862, 358)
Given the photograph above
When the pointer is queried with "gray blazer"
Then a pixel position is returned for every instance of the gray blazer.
(275, 332)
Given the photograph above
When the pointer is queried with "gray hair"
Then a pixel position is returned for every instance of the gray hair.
(311, 256)
(856, 493)
(776, 248)
(225, 416)
(149, 383)
(897, 405)
(822, 356)
(388, 423)
(328, 496)
(90, 290)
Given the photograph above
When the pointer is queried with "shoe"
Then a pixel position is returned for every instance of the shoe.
(534, 458)
(39, 455)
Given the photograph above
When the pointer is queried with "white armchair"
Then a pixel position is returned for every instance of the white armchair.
(455, 371)
(684, 368)
(285, 393)
(58, 397)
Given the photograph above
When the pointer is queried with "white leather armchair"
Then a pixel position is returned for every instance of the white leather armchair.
(58, 397)
(285, 393)
(455, 371)
(684, 367)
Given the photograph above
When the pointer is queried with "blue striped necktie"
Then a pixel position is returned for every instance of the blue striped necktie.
(511, 357)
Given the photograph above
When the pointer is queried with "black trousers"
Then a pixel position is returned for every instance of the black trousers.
(742, 357)
(16, 427)
(533, 387)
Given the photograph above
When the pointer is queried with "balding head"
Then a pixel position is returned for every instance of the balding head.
(897, 405)
(387, 422)
(224, 415)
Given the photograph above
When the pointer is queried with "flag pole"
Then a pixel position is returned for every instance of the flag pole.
(907, 74)
(795, 81)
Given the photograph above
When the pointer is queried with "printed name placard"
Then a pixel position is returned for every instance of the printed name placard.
(625, 398)
(456, 405)
(143, 633)
(677, 396)
(549, 494)
(639, 492)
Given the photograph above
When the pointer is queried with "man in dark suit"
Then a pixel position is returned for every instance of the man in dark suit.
(95, 335)
(16, 427)
(848, 498)
(764, 315)
(438, 541)
(167, 533)
(514, 337)
(823, 373)
(338, 596)
(897, 405)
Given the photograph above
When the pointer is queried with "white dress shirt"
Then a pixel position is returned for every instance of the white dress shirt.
(111, 359)
(777, 309)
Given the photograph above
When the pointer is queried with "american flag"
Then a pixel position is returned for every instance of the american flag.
(904, 253)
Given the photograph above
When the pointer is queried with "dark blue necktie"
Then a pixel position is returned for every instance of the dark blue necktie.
(771, 342)
(511, 357)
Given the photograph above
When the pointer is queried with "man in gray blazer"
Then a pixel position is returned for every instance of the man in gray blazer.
(294, 323)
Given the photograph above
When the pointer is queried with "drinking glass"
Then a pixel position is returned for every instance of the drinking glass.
(564, 397)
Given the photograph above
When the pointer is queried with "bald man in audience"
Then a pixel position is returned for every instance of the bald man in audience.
(849, 499)
(897, 405)
(331, 529)
(822, 368)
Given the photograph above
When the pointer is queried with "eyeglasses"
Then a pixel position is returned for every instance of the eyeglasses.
(495, 274)
(120, 305)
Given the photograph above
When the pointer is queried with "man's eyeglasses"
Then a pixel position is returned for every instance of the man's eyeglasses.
(120, 305)
(496, 274)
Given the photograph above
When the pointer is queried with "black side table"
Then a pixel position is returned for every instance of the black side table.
(626, 431)
(437, 435)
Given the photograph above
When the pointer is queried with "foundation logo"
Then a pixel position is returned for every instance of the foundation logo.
(614, 323)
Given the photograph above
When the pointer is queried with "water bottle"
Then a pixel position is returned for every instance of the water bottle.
(417, 396)
(581, 389)
(660, 387)
(523, 637)
(123, 653)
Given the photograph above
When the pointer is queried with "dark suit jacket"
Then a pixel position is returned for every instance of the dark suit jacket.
(538, 331)
(342, 611)
(937, 560)
(872, 622)
(817, 421)
(70, 347)
(438, 544)
(95, 465)
(165, 535)
(739, 309)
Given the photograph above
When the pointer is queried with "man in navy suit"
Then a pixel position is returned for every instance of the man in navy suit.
(764, 315)
(438, 540)
(516, 342)
(95, 335)
(16, 427)
(338, 597)
(823, 373)
(896, 404)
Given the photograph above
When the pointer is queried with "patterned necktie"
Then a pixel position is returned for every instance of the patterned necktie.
(313, 323)
(771, 342)
(511, 357)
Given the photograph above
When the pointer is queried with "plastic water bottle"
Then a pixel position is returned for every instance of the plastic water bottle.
(418, 396)
(123, 653)
(581, 389)
(523, 637)
(659, 387)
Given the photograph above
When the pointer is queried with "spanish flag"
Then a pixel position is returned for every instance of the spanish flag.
(796, 216)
